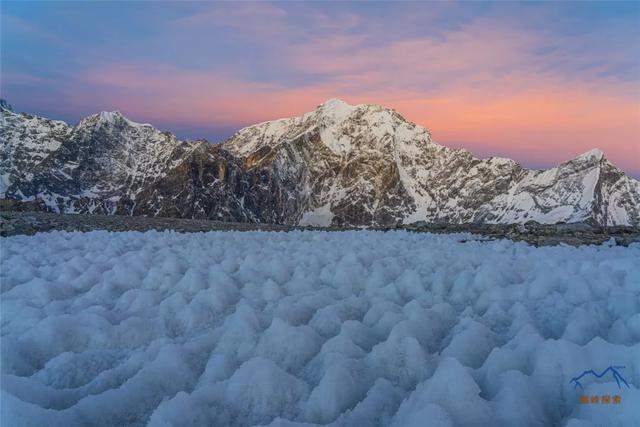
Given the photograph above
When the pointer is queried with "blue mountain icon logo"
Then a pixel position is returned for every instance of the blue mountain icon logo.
(615, 371)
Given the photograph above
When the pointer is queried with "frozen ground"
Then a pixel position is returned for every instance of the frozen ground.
(349, 328)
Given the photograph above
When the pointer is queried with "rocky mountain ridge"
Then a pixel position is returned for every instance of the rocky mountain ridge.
(340, 165)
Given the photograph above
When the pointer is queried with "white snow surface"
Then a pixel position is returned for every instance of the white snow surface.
(344, 328)
(320, 217)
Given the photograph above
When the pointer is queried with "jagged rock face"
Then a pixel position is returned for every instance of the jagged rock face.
(338, 165)
(340, 160)
(27, 143)
(108, 164)
(366, 165)
(211, 183)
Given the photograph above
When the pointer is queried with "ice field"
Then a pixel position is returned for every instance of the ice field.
(302, 328)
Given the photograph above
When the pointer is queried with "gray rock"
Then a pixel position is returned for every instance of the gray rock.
(339, 165)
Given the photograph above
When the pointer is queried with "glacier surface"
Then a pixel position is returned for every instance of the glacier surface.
(302, 328)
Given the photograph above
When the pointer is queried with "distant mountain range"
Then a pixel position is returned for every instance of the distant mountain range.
(341, 164)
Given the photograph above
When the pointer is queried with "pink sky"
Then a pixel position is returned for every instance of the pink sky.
(541, 85)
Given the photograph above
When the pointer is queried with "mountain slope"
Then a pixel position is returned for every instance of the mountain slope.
(366, 165)
(337, 165)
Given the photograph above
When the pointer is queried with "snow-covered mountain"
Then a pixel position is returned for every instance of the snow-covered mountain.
(338, 165)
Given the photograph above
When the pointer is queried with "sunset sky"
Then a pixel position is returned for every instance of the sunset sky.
(538, 82)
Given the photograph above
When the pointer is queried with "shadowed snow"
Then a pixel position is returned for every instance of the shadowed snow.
(343, 328)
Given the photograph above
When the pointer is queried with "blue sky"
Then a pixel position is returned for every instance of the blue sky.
(540, 82)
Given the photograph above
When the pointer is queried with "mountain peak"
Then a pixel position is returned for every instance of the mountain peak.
(4, 105)
(334, 103)
(336, 110)
(595, 154)
(110, 116)
(341, 164)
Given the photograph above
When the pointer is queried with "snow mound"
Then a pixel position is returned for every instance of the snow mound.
(314, 328)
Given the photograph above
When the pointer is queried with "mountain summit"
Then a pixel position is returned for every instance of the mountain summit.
(4, 105)
(340, 164)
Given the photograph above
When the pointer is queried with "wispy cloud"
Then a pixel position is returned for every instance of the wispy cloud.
(255, 19)
(493, 81)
